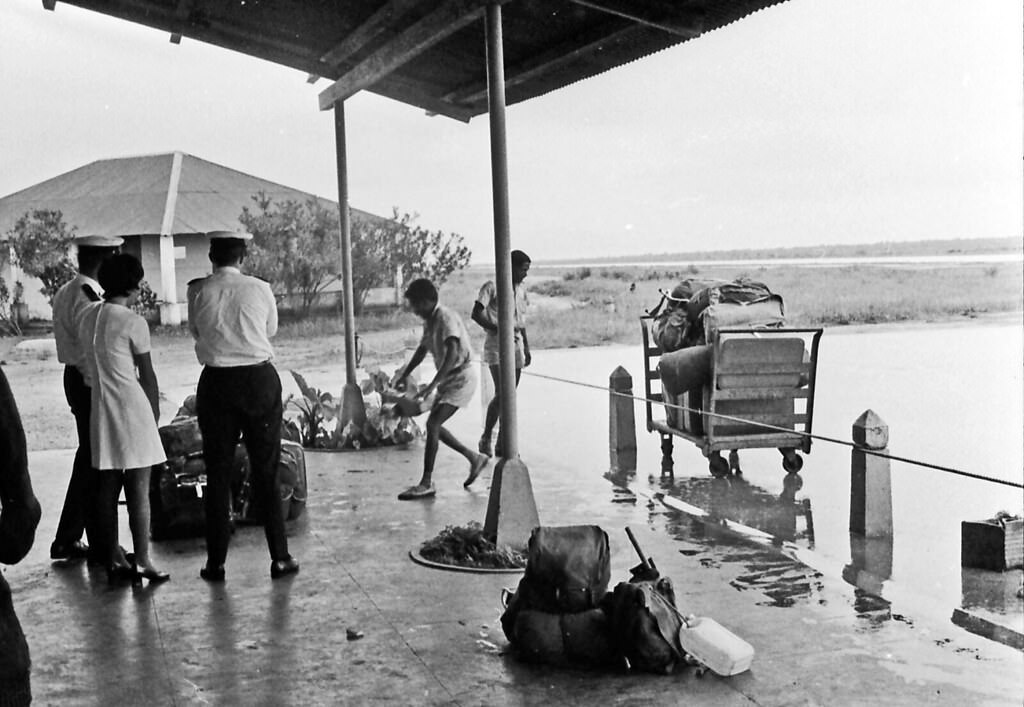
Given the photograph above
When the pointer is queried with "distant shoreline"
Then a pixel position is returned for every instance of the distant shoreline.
(968, 250)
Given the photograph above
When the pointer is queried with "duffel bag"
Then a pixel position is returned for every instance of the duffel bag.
(181, 437)
(567, 569)
(685, 369)
(645, 626)
(176, 490)
(740, 291)
(580, 639)
(767, 313)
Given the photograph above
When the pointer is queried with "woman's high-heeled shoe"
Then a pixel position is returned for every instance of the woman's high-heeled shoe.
(154, 576)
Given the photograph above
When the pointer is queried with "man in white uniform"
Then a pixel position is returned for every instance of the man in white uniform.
(70, 301)
(232, 317)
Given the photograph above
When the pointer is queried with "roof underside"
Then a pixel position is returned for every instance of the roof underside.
(431, 53)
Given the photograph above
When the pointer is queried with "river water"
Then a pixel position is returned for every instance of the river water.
(951, 394)
(945, 260)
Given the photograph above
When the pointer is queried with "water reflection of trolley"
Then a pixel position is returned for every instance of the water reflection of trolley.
(762, 376)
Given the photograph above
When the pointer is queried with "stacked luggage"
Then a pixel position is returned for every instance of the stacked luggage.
(177, 487)
(562, 613)
(686, 322)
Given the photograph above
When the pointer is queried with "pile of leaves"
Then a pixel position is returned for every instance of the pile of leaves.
(466, 546)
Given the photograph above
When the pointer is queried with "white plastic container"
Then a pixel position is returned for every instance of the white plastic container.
(713, 645)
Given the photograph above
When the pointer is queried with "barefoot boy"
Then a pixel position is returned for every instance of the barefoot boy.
(446, 339)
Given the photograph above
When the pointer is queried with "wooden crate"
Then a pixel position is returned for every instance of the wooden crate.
(988, 544)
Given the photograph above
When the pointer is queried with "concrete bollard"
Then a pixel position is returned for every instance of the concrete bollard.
(511, 508)
(621, 424)
(870, 482)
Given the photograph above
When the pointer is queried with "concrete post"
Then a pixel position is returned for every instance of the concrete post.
(352, 407)
(870, 482)
(621, 424)
(511, 508)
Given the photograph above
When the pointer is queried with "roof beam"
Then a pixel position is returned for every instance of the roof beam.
(50, 5)
(668, 17)
(586, 42)
(377, 23)
(449, 17)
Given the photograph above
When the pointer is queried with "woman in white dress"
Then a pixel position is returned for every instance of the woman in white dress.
(125, 409)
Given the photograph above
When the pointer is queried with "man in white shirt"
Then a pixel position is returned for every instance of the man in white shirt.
(232, 317)
(69, 302)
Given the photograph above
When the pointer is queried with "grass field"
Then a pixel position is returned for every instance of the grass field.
(603, 306)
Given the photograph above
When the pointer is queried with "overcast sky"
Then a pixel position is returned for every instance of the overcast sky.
(816, 121)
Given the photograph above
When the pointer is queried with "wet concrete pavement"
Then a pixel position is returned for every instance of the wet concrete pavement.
(433, 637)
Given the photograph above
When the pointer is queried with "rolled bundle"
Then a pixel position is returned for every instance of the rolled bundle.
(685, 369)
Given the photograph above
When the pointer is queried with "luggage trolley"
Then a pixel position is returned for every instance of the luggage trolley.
(764, 375)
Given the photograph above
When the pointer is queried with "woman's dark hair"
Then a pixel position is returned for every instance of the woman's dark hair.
(421, 290)
(519, 258)
(120, 274)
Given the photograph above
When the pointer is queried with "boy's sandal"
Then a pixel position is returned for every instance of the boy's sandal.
(474, 470)
(415, 492)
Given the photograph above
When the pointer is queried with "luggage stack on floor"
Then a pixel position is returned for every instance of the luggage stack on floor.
(177, 487)
(562, 613)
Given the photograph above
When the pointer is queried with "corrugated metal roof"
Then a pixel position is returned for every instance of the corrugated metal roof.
(431, 53)
(127, 196)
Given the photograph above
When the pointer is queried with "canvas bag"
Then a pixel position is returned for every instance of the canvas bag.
(580, 639)
(567, 569)
(645, 625)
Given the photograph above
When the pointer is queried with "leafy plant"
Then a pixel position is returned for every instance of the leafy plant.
(315, 407)
(467, 546)
(8, 320)
(146, 304)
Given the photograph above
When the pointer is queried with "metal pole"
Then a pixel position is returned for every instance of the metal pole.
(352, 407)
(502, 235)
(346, 244)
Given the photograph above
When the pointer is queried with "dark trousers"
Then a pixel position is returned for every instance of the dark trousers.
(82, 496)
(242, 400)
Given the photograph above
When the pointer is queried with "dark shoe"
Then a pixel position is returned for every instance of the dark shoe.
(212, 574)
(155, 576)
(281, 568)
(121, 574)
(69, 551)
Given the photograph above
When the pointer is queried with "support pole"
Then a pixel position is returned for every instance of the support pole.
(870, 482)
(621, 422)
(511, 508)
(170, 312)
(352, 407)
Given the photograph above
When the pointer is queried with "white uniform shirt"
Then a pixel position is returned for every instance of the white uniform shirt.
(232, 317)
(69, 302)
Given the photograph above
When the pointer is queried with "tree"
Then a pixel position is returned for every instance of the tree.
(297, 247)
(41, 241)
(398, 244)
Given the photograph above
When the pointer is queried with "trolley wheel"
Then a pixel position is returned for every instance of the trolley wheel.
(718, 466)
(734, 462)
(791, 461)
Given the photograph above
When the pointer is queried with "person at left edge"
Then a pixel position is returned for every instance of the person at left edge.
(69, 302)
(232, 317)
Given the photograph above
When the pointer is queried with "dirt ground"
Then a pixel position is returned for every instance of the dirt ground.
(36, 377)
